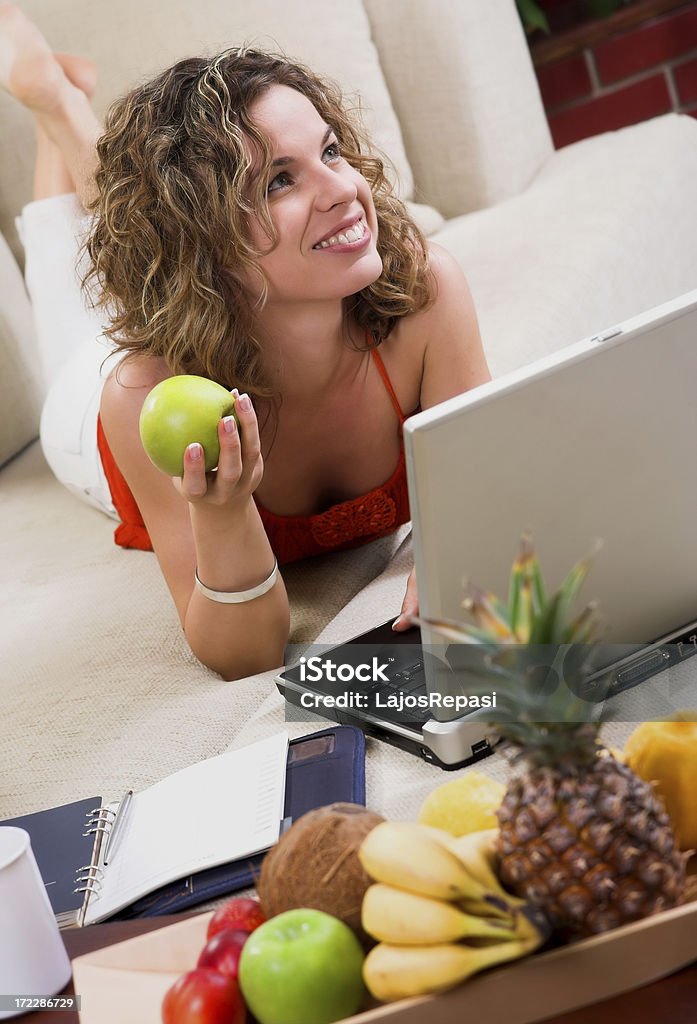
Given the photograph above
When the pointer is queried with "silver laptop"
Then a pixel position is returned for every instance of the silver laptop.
(597, 443)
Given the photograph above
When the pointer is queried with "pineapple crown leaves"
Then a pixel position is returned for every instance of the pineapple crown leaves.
(534, 652)
(530, 617)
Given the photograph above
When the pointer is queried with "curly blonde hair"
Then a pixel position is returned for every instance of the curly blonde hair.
(170, 244)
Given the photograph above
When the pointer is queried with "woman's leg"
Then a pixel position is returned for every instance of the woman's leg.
(52, 176)
(57, 90)
(35, 76)
(52, 228)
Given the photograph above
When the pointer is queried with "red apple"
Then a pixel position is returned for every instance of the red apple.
(222, 952)
(242, 912)
(203, 996)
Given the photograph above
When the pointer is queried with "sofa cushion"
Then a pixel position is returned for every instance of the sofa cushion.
(20, 379)
(568, 257)
(466, 95)
(134, 39)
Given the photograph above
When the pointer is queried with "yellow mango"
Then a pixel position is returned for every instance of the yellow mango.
(666, 753)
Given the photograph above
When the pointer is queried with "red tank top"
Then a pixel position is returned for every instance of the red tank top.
(345, 525)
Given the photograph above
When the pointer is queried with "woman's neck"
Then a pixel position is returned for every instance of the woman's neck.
(309, 350)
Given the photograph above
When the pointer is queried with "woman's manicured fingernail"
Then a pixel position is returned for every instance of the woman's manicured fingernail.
(245, 403)
(195, 451)
(229, 425)
(397, 621)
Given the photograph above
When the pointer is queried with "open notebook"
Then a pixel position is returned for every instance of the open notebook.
(215, 811)
(97, 858)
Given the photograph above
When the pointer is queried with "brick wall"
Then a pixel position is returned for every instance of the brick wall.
(627, 69)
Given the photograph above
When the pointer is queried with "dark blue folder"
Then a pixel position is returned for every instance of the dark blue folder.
(61, 849)
(323, 768)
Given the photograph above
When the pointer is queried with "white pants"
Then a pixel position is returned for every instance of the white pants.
(71, 345)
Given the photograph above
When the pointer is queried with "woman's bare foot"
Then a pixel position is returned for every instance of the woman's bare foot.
(29, 70)
(56, 88)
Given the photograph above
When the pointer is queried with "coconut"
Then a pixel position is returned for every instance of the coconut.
(315, 864)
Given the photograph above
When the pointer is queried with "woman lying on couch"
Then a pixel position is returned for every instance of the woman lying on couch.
(236, 226)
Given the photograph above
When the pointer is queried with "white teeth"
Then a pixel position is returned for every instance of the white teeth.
(352, 235)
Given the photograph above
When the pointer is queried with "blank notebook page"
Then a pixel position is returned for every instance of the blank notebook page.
(210, 813)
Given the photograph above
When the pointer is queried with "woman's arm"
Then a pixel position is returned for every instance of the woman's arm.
(205, 523)
(453, 359)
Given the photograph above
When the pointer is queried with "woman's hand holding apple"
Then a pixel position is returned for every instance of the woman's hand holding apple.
(190, 425)
(240, 465)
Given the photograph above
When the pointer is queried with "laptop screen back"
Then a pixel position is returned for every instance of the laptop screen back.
(598, 443)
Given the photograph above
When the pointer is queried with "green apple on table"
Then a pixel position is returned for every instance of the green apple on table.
(178, 411)
(302, 967)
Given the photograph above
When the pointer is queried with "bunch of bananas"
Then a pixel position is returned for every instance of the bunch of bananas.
(438, 910)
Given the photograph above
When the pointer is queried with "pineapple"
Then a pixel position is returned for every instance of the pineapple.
(581, 836)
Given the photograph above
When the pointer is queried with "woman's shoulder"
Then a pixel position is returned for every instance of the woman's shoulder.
(130, 381)
(444, 336)
(452, 304)
(447, 273)
(450, 298)
(123, 394)
(440, 258)
(138, 371)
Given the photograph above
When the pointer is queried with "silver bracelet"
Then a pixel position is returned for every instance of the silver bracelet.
(238, 596)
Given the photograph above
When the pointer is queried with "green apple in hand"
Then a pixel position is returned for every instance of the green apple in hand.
(179, 411)
(302, 967)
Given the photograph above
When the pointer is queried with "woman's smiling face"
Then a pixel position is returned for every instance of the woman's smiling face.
(321, 207)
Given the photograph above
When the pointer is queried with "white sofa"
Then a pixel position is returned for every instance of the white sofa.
(99, 690)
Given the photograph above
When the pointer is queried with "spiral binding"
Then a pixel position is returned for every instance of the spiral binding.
(93, 876)
(89, 877)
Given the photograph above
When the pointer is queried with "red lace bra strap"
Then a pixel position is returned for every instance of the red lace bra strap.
(388, 384)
